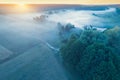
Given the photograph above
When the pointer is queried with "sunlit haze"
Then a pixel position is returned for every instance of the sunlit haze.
(21, 6)
(62, 1)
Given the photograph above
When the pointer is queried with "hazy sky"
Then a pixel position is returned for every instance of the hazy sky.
(63, 1)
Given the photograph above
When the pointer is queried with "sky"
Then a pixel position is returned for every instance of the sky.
(63, 1)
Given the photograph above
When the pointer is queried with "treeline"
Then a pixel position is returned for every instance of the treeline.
(94, 54)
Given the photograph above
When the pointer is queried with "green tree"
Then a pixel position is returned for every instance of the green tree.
(70, 52)
(93, 54)
(114, 38)
(99, 62)
(91, 35)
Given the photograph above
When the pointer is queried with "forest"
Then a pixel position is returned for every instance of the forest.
(93, 54)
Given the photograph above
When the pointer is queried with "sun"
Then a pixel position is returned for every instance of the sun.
(21, 7)
(21, 4)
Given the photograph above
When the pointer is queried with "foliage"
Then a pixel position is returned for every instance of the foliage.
(93, 55)
(70, 51)
(90, 35)
(98, 63)
(114, 38)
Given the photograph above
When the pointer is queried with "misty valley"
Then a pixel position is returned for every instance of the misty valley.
(60, 42)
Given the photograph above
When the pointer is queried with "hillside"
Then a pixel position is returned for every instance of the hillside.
(38, 63)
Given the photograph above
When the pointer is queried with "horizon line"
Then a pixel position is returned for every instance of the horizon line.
(7, 3)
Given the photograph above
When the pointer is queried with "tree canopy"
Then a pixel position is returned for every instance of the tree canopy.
(93, 55)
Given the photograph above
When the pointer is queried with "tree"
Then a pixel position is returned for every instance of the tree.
(70, 52)
(91, 35)
(114, 38)
(92, 54)
(99, 62)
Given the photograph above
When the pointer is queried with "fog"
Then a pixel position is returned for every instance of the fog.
(20, 32)
(21, 35)
(81, 18)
